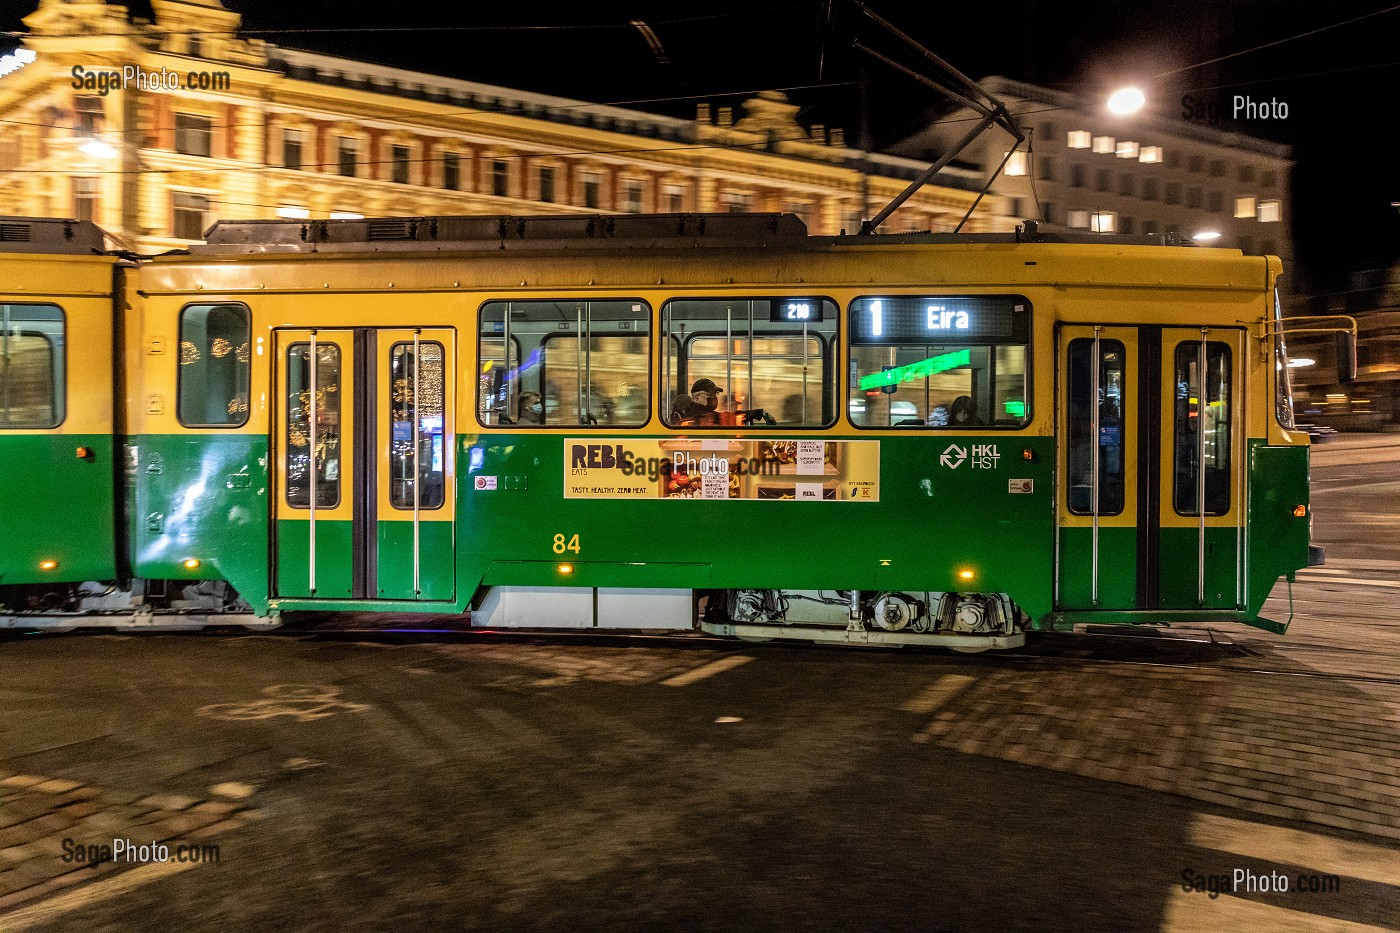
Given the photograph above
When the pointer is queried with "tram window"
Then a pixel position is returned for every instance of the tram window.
(1202, 428)
(939, 361)
(1283, 379)
(416, 386)
(572, 363)
(214, 374)
(1082, 447)
(31, 366)
(769, 357)
(304, 446)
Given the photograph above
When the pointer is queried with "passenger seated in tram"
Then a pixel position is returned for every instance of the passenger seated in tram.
(962, 412)
(529, 408)
(699, 406)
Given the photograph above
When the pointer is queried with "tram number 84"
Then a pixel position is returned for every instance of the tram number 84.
(562, 544)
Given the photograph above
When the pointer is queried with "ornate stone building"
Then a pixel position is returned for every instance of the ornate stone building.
(91, 127)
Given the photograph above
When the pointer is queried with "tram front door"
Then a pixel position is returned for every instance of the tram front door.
(363, 451)
(1150, 426)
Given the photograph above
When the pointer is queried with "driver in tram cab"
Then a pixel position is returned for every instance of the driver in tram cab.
(699, 406)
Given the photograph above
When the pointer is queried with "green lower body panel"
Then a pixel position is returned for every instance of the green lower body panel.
(436, 566)
(1117, 568)
(56, 508)
(334, 559)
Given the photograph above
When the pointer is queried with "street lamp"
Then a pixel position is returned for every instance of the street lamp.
(1126, 101)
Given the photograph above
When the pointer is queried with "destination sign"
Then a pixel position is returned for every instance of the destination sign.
(940, 319)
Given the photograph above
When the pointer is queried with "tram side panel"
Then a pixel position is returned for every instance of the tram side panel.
(197, 442)
(57, 471)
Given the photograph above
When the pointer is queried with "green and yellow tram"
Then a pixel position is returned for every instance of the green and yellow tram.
(658, 422)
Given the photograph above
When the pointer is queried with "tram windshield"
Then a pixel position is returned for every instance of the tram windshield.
(939, 361)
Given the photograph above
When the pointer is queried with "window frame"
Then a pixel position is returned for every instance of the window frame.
(207, 130)
(1230, 465)
(1122, 472)
(447, 440)
(56, 370)
(515, 346)
(175, 211)
(1029, 375)
(180, 374)
(831, 359)
(285, 441)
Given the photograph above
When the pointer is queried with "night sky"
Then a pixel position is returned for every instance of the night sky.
(1339, 84)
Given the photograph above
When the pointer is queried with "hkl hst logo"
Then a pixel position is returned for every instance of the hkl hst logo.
(984, 456)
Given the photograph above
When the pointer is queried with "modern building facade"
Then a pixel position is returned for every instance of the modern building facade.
(154, 130)
(1153, 172)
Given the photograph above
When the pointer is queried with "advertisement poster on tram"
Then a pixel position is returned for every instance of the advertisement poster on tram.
(722, 468)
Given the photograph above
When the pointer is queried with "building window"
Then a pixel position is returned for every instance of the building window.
(1077, 176)
(293, 212)
(1015, 204)
(1045, 168)
(1270, 211)
(632, 196)
(190, 215)
(1244, 207)
(1217, 168)
(1173, 192)
(347, 215)
(1016, 164)
(1049, 131)
(675, 199)
(1215, 202)
(85, 198)
(1247, 245)
(1125, 225)
(1269, 247)
(1127, 185)
(1127, 149)
(1150, 154)
(1268, 179)
(1149, 189)
(451, 171)
(500, 178)
(1103, 180)
(348, 156)
(215, 366)
(31, 367)
(1047, 211)
(193, 134)
(546, 183)
(1149, 226)
(592, 190)
(1104, 222)
(88, 113)
(1195, 164)
(291, 148)
(1079, 220)
(398, 164)
(1246, 174)
(1104, 145)
(737, 202)
(1173, 159)
(1079, 139)
(1193, 197)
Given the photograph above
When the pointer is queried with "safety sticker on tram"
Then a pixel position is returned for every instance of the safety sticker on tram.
(1020, 485)
(486, 482)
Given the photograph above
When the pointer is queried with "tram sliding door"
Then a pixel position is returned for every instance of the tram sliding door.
(1149, 425)
(363, 448)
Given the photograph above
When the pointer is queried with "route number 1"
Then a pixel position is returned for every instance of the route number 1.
(561, 545)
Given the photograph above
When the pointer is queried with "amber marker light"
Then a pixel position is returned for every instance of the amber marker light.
(1299, 511)
(48, 564)
(566, 569)
(1027, 454)
(191, 563)
(966, 574)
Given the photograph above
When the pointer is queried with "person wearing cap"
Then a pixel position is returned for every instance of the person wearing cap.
(699, 406)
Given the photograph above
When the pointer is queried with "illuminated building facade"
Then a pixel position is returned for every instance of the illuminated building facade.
(90, 128)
